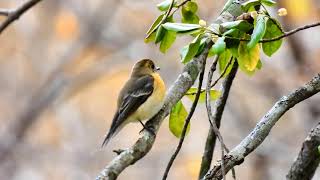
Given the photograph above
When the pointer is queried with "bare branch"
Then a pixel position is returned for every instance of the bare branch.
(217, 115)
(5, 12)
(308, 159)
(262, 129)
(13, 15)
(186, 123)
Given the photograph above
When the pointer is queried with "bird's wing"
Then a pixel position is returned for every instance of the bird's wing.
(138, 92)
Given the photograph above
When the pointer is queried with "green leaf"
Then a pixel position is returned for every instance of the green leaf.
(258, 31)
(226, 5)
(155, 24)
(160, 34)
(248, 4)
(273, 30)
(190, 18)
(189, 51)
(239, 24)
(151, 38)
(218, 47)
(167, 41)
(223, 61)
(248, 58)
(190, 6)
(188, 13)
(164, 6)
(202, 45)
(177, 118)
(268, 2)
(181, 27)
(233, 44)
(191, 94)
(259, 65)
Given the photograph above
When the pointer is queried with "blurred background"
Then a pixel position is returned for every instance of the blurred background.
(63, 63)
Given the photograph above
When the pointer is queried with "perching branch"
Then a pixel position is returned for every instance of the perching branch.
(13, 15)
(263, 128)
(186, 123)
(217, 115)
(308, 159)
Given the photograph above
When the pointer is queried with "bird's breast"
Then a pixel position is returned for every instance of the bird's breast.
(155, 102)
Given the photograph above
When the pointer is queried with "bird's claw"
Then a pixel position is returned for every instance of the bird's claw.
(150, 129)
(118, 151)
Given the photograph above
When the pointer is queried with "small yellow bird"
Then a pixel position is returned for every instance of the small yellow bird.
(140, 99)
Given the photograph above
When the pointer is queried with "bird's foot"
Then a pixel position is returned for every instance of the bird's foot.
(118, 151)
(150, 129)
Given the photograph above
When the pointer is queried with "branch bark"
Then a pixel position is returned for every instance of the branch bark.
(308, 159)
(263, 128)
(217, 115)
(13, 15)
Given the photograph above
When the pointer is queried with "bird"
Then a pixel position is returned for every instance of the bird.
(140, 99)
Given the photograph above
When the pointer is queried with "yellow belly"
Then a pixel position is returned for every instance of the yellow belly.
(154, 103)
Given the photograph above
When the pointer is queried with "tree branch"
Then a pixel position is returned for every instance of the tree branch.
(186, 123)
(308, 159)
(263, 128)
(217, 115)
(13, 15)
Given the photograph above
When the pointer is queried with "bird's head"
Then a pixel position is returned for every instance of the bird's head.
(144, 66)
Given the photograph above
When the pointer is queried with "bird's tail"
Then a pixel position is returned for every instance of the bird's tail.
(106, 139)
(112, 131)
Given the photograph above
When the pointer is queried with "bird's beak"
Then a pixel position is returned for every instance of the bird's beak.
(157, 68)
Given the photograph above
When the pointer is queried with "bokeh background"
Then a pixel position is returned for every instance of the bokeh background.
(63, 62)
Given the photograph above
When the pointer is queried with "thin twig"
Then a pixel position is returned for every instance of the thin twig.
(291, 32)
(186, 123)
(286, 34)
(209, 112)
(180, 5)
(15, 14)
(217, 80)
(217, 115)
(223, 73)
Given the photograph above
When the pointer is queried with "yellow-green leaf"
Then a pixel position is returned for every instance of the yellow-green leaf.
(191, 94)
(248, 58)
(177, 118)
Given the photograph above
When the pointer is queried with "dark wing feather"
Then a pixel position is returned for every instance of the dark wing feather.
(135, 92)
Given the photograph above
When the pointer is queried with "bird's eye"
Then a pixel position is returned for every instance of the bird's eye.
(152, 66)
